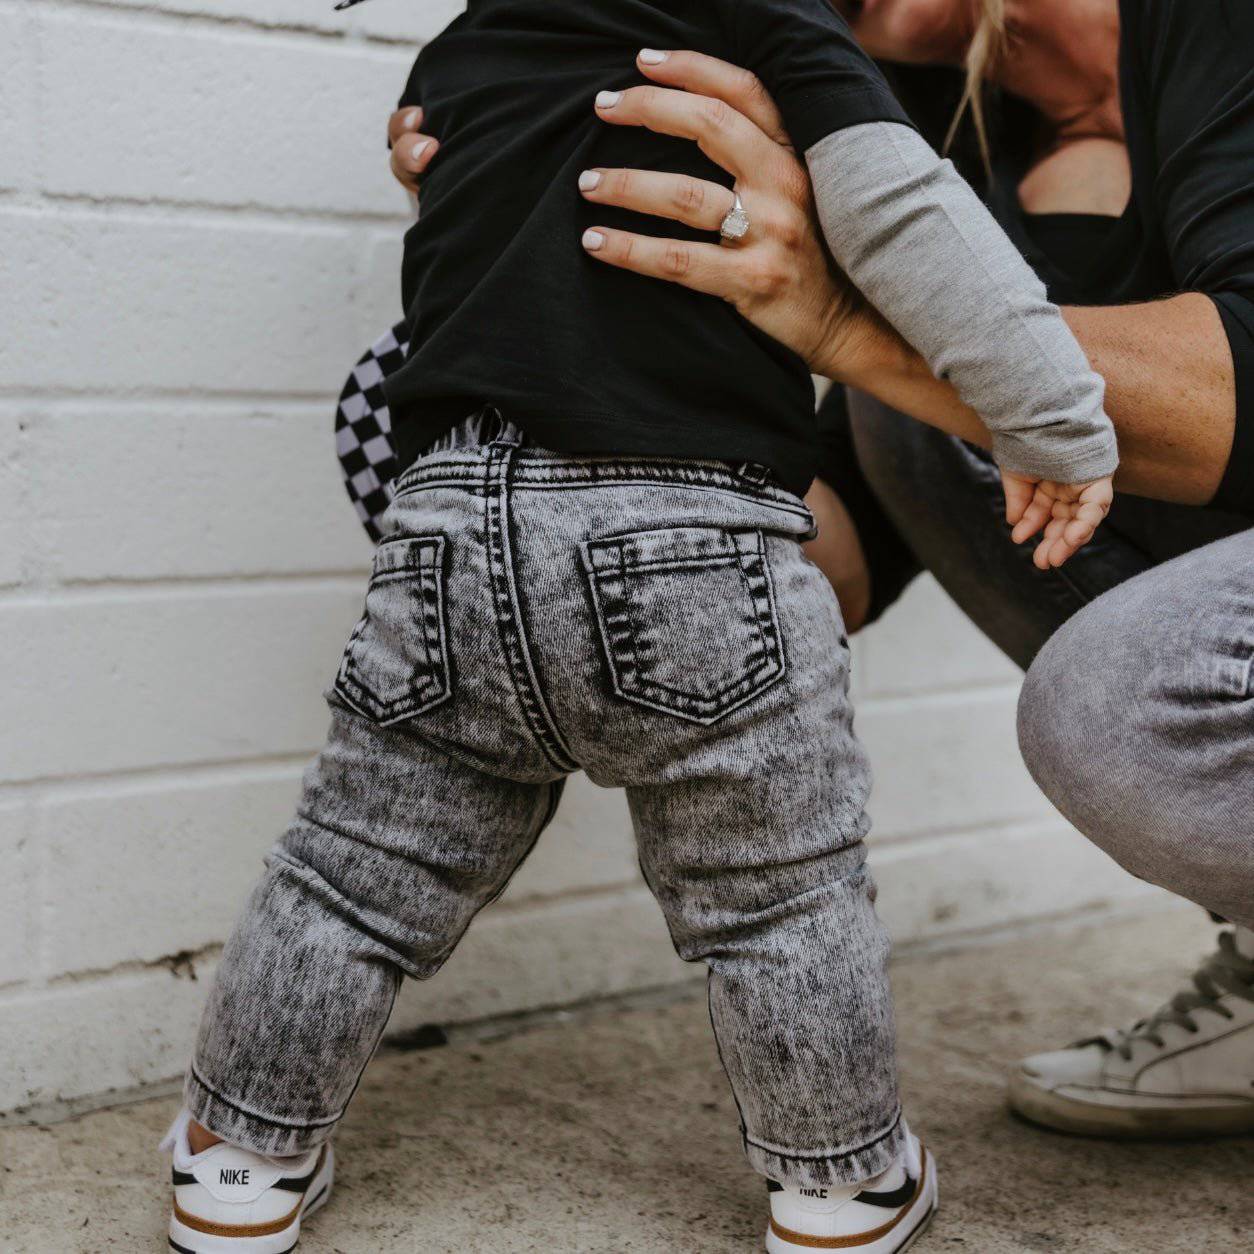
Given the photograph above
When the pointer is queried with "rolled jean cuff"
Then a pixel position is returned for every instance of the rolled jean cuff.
(248, 1129)
(817, 1170)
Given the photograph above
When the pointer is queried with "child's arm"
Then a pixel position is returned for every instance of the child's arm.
(927, 254)
(917, 241)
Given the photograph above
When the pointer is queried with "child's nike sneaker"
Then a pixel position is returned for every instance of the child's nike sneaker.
(882, 1216)
(229, 1200)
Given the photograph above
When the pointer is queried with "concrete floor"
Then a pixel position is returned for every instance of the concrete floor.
(614, 1132)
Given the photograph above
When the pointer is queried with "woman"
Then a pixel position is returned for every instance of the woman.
(1123, 171)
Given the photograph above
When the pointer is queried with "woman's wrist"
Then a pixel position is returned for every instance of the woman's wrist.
(864, 352)
(858, 348)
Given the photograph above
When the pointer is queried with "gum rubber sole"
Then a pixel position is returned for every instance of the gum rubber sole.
(1160, 1122)
(775, 1246)
(921, 1213)
(184, 1240)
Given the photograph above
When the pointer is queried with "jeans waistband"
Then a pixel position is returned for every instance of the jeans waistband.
(456, 457)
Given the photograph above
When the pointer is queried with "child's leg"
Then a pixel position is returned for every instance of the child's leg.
(752, 840)
(838, 552)
(395, 847)
(780, 907)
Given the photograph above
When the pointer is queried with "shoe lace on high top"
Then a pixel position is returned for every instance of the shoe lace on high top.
(1225, 973)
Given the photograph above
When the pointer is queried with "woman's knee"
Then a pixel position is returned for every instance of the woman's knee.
(1128, 755)
(1068, 708)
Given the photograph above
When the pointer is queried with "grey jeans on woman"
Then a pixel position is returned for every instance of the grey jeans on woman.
(655, 624)
(1137, 715)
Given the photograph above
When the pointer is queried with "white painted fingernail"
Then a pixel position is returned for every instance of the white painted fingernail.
(651, 56)
(419, 148)
(608, 99)
(589, 181)
(411, 119)
(593, 241)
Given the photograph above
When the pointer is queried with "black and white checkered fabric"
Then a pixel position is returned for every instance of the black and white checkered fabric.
(363, 429)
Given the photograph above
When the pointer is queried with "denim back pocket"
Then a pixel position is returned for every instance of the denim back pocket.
(396, 665)
(687, 617)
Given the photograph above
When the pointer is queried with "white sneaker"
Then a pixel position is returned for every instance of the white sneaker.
(1186, 1071)
(883, 1216)
(230, 1200)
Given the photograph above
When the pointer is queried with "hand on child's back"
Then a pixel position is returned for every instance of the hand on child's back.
(1067, 515)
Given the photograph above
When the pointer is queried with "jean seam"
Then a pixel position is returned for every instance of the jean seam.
(578, 473)
(754, 598)
(268, 1120)
(831, 1156)
(535, 709)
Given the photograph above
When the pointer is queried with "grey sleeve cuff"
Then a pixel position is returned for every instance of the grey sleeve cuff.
(918, 243)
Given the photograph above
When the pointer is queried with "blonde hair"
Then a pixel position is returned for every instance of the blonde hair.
(988, 46)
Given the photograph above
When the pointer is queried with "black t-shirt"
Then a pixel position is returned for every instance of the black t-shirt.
(1187, 81)
(503, 304)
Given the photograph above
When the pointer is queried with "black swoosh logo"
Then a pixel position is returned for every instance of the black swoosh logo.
(891, 1201)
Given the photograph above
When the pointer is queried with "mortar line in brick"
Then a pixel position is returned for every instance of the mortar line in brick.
(350, 578)
(18, 394)
(180, 587)
(971, 683)
(972, 693)
(127, 781)
(187, 963)
(297, 33)
(509, 908)
(261, 410)
(49, 206)
(269, 213)
(183, 964)
(50, 975)
(887, 849)
(125, 974)
(1148, 903)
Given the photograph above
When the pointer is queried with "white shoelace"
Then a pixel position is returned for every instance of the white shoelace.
(1225, 973)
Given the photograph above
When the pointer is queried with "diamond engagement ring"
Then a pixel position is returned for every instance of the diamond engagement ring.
(736, 224)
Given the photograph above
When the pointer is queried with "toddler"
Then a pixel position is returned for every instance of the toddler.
(593, 562)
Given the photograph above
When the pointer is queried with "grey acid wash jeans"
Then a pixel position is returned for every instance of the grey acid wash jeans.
(655, 624)
(1137, 714)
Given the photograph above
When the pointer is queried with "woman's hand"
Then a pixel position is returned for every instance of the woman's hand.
(411, 149)
(779, 276)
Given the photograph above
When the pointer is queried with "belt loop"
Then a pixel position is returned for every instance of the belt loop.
(504, 434)
(755, 473)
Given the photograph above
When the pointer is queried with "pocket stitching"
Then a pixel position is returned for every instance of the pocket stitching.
(430, 689)
(773, 649)
(701, 709)
(753, 601)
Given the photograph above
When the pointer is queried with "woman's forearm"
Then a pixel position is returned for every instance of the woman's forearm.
(1170, 390)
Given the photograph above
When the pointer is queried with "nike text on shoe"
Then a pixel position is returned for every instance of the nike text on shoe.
(883, 1216)
(229, 1200)
(1186, 1071)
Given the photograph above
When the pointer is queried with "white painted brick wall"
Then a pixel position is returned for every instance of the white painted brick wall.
(199, 234)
